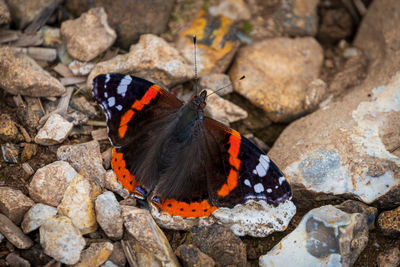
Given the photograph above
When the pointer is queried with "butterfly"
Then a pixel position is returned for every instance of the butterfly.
(169, 152)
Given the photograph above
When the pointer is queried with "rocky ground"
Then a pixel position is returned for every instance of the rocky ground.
(321, 94)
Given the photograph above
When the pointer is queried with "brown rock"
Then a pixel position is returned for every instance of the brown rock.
(95, 255)
(232, 9)
(81, 104)
(191, 256)
(30, 113)
(55, 131)
(217, 81)
(89, 35)
(336, 24)
(28, 152)
(19, 74)
(24, 12)
(14, 234)
(279, 74)
(5, 17)
(118, 255)
(353, 206)
(389, 221)
(14, 260)
(14, 204)
(389, 258)
(8, 129)
(10, 153)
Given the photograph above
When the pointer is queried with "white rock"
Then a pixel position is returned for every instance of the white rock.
(55, 130)
(61, 240)
(111, 183)
(36, 216)
(233, 9)
(108, 215)
(79, 68)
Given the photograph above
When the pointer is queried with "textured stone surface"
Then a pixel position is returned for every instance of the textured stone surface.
(279, 76)
(353, 206)
(79, 68)
(326, 236)
(14, 204)
(95, 255)
(36, 216)
(217, 81)
(89, 35)
(192, 256)
(8, 128)
(152, 58)
(389, 221)
(13, 259)
(50, 182)
(233, 9)
(19, 74)
(389, 258)
(10, 153)
(111, 183)
(5, 17)
(55, 131)
(28, 152)
(61, 240)
(24, 12)
(108, 215)
(14, 234)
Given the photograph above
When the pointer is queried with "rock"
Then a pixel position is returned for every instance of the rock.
(389, 221)
(51, 36)
(81, 104)
(14, 260)
(192, 256)
(221, 244)
(109, 263)
(24, 12)
(55, 131)
(14, 204)
(389, 258)
(19, 74)
(31, 113)
(152, 58)
(297, 17)
(77, 118)
(216, 43)
(5, 17)
(61, 240)
(95, 255)
(232, 9)
(50, 182)
(36, 256)
(14, 234)
(336, 24)
(77, 204)
(144, 234)
(117, 257)
(326, 236)
(8, 129)
(223, 110)
(279, 76)
(36, 216)
(111, 183)
(217, 81)
(89, 35)
(352, 206)
(28, 152)
(108, 215)
(79, 68)
(10, 153)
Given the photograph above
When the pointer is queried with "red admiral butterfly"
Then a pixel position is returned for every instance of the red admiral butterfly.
(191, 164)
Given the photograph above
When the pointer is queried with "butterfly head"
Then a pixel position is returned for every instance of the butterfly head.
(199, 101)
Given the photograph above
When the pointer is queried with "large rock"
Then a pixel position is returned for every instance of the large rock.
(152, 58)
(14, 204)
(351, 146)
(326, 236)
(20, 74)
(281, 76)
(89, 35)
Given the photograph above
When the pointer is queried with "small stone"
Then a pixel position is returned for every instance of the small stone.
(232, 9)
(20, 74)
(111, 183)
(36, 256)
(353, 206)
(298, 17)
(326, 236)
(36, 216)
(8, 128)
(50, 182)
(389, 258)
(5, 17)
(28, 152)
(80, 68)
(217, 43)
(86, 159)
(151, 58)
(108, 215)
(31, 113)
(228, 251)
(24, 12)
(95, 255)
(143, 231)
(61, 240)
(336, 24)
(14, 234)
(89, 35)
(51, 36)
(389, 221)
(77, 204)
(55, 131)
(14, 204)
(77, 118)
(278, 76)
(10, 153)
(217, 81)
(14, 260)
(117, 257)
(192, 256)
(81, 104)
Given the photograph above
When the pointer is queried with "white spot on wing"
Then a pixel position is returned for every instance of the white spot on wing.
(258, 188)
(107, 80)
(111, 101)
(247, 182)
(123, 85)
(281, 179)
(260, 170)
(264, 160)
(119, 107)
(254, 172)
(269, 190)
(105, 94)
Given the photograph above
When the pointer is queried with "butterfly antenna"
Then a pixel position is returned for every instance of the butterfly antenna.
(195, 61)
(223, 87)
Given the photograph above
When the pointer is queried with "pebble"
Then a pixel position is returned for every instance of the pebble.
(232, 9)
(335, 24)
(389, 258)
(55, 131)
(51, 36)
(36, 216)
(79, 68)
(5, 17)
(14, 204)
(19, 74)
(326, 236)
(108, 215)
(279, 74)
(14, 234)
(50, 182)
(10, 153)
(8, 129)
(77, 204)
(89, 35)
(217, 81)
(117, 257)
(353, 206)
(28, 152)
(31, 113)
(86, 159)
(192, 256)
(23, 12)
(389, 221)
(14, 260)
(151, 58)
(61, 240)
(95, 255)
(81, 104)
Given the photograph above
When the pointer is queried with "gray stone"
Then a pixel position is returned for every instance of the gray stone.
(55, 131)
(14, 260)
(36, 216)
(108, 215)
(14, 234)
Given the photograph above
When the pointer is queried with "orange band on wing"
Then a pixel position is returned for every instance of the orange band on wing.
(118, 164)
(186, 210)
